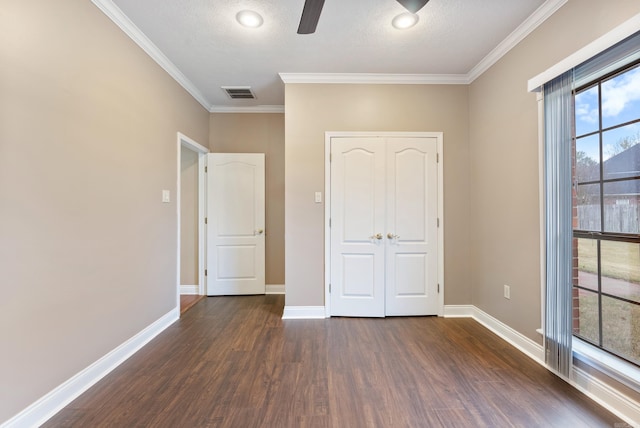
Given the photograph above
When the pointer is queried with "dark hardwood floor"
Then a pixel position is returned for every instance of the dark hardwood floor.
(187, 301)
(232, 362)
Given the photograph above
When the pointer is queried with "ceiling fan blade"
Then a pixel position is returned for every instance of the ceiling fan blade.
(413, 5)
(310, 16)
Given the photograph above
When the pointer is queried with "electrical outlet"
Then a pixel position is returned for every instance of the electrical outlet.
(507, 292)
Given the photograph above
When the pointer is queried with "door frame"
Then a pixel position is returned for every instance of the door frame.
(201, 151)
(327, 206)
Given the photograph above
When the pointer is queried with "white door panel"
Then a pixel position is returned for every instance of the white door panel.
(411, 258)
(358, 276)
(235, 226)
(236, 261)
(236, 192)
(357, 192)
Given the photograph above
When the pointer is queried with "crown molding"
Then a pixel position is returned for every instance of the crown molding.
(375, 78)
(541, 14)
(248, 109)
(114, 13)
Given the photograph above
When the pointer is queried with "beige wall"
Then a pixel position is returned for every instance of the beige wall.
(505, 223)
(188, 217)
(259, 133)
(88, 129)
(88, 251)
(310, 110)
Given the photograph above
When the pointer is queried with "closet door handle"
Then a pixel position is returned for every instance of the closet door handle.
(376, 236)
(392, 236)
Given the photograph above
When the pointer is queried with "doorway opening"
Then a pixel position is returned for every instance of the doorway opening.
(190, 206)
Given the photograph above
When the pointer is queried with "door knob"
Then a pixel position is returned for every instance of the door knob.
(392, 236)
(376, 236)
(259, 232)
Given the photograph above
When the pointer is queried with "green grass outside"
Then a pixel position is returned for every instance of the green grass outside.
(620, 324)
(620, 260)
(620, 320)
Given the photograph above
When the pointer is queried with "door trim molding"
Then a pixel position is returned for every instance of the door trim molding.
(327, 206)
(201, 151)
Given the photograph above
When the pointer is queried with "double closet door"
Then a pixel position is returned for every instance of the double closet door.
(384, 252)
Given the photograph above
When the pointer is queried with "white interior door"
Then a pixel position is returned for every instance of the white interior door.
(357, 227)
(411, 219)
(235, 224)
(384, 252)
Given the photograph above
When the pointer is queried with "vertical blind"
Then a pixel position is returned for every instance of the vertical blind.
(558, 134)
(558, 120)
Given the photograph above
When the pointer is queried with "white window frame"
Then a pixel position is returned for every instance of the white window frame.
(616, 368)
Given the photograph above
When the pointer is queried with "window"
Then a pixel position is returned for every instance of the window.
(606, 213)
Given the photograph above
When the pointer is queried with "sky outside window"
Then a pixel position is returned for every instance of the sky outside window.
(620, 104)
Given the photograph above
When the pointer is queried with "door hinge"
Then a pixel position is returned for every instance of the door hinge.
(206, 169)
(438, 288)
(205, 220)
(437, 157)
(205, 272)
(438, 222)
(330, 157)
(329, 222)
(329, 288)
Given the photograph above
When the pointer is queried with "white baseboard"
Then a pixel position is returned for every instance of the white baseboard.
(529, 347)
(608, 397)
(43, 409)
(189, 289)
(274, 289)
(47, 406)
(303, 312)
(459, 311)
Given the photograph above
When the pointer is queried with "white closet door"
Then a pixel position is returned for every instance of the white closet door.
(411, 220)
(384, 207)
(357, 227)
(235, 224)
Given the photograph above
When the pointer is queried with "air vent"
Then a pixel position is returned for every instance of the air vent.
(239, 92)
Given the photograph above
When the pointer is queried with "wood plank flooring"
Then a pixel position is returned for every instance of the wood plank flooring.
(187, 301)
(233, 362)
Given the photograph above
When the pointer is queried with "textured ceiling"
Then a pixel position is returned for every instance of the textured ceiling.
(204, 41)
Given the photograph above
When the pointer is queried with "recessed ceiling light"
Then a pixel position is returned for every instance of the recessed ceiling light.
(405, 20)
(249, 18)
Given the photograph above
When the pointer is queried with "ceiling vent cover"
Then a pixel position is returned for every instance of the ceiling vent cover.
(239, 92)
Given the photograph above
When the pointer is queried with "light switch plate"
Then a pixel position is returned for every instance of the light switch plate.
(166, 196)
(318, 197)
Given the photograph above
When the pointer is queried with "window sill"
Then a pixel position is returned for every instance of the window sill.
(616, 368)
